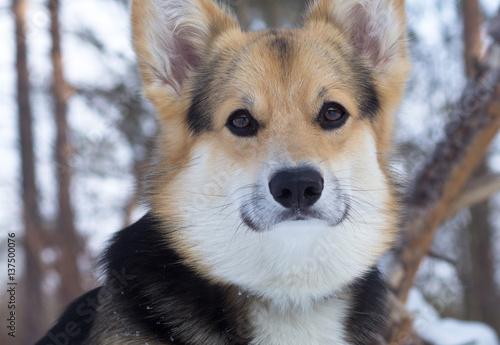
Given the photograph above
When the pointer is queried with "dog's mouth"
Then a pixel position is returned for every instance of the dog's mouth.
(295, 215)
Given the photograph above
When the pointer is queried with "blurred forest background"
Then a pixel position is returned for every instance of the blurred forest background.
(76, 134)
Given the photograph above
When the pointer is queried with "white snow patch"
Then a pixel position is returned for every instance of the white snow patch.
(437, 331)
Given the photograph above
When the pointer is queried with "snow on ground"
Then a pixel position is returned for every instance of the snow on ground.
(437, 331)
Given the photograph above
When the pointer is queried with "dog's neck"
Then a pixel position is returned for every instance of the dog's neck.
(168, 297)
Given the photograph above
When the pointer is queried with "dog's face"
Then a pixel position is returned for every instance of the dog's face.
(271, 169)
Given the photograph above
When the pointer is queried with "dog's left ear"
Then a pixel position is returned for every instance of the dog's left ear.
(172, 38)
(376, 28)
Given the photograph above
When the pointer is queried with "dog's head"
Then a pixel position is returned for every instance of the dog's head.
(271, 158)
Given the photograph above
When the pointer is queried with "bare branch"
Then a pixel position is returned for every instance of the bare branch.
(475, 192)
(435, 255)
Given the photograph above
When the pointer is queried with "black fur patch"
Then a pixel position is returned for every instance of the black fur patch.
(368, 315)
(368, 99)
(199, 118)
(75, 323)
(366, 93)
(164, 297)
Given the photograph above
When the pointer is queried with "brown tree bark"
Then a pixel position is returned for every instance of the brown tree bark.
(476, 121)
(68, 241)
(32, 310)
(472, 21)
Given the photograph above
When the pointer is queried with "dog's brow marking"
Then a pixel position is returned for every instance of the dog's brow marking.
(248, 100)
(322, 92)
(281, 45)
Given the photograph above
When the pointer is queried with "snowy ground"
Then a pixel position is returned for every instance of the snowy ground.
(437, 331)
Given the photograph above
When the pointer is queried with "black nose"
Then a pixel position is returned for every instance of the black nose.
(298, 188)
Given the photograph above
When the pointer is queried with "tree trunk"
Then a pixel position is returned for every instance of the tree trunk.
(481, 290)
(478, 277)
(32, 308)
(69, 243)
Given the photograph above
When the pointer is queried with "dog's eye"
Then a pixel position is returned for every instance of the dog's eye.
(242, 124)
(332, 115)
(241, 121)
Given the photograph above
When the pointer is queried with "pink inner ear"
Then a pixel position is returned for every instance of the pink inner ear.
(183, 57)
(179, 52)
(368, 31)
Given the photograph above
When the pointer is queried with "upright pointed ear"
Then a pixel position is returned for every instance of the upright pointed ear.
(376, 29)
(171, 39)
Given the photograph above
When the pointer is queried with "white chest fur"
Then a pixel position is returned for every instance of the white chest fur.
(320, 324)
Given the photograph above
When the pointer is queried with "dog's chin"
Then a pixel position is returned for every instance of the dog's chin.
(292, 223)
(304, 227)
(294, 220)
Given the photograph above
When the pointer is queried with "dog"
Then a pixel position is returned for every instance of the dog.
(270, 194)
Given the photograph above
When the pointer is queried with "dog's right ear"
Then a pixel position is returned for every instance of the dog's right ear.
(171, 38)
(376, 29)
